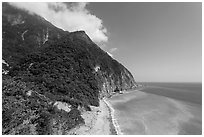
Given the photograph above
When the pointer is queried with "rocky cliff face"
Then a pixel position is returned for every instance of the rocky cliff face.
(111, 76)
(109, 84)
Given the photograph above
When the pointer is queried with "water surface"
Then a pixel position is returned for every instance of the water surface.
(160, 109)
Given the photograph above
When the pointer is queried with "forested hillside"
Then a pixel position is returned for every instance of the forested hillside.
(44, 65)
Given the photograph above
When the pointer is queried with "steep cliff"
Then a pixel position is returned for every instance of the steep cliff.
(45, 66)
(111, 76)
(25, 33)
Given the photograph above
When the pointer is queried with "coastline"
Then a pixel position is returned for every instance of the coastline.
(102, 120)
(99, 121)
(115, 126)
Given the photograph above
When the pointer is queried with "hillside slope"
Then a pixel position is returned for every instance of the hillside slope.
(46, 66)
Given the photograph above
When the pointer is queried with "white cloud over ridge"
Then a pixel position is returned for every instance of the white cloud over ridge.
(68, 16)
(113, 50)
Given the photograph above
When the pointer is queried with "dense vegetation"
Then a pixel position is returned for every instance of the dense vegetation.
(61, 69)
(23, 33)
(32, 114)
(46, 65)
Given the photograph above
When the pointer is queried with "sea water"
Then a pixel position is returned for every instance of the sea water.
(160, 108)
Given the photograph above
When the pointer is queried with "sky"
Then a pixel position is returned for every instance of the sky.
(156, 42)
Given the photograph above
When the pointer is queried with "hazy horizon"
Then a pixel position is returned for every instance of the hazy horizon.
(157, 42)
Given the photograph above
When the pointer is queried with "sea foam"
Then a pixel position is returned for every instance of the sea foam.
(114, 120)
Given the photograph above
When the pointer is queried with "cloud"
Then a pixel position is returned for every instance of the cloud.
(110, 52)
(113, 50)
(68, 16)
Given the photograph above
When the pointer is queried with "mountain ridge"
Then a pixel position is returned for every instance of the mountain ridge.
(45, 65)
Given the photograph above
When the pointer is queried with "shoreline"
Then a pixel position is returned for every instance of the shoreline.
(98, 121)
(122, 92)
(116, 128)
(113, 130)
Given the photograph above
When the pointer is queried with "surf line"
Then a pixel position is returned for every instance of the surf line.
(115, 123)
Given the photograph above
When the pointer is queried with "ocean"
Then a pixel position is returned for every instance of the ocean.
(160, 109)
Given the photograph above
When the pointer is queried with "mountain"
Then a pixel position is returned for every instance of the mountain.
(44, 66)
(23, 33)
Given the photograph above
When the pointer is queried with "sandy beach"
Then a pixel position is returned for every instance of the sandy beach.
(97, 122)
